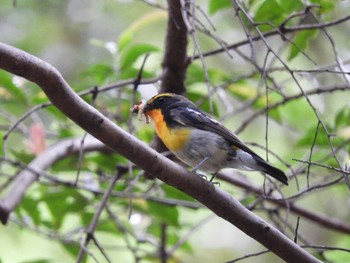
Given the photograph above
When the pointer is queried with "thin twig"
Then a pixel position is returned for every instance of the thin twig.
(93, 224)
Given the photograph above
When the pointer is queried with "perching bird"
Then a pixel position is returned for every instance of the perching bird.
(200, 141)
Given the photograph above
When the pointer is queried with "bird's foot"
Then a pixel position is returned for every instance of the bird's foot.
(200, 175)
(212, 178)
(204, 177)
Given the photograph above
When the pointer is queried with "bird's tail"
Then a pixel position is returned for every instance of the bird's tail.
(273, 171)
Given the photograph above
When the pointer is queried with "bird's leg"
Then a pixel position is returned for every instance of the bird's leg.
(213, 176)
(203, 176)
(199, 164)
(194, 170)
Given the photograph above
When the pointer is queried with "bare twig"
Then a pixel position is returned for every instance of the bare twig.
(81, 150)
(275, 32)
(163, 241)
(93, 224)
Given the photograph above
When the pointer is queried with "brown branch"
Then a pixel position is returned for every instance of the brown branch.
(221, 203)
(325, 221)
(175, 54)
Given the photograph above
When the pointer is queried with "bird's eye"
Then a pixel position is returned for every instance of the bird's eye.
(160, 100)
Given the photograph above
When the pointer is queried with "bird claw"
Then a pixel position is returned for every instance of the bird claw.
(204, 177)
(212, 178)
(201, 175)
(215, 183)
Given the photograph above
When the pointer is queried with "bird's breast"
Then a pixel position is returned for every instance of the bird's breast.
(173, 138)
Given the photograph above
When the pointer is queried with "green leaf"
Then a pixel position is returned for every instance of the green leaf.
(73, 250)
(245, 92)
(99, 73)
(194, 74)
(1, 136)
(165, 213)
(342, 123)
(292, 111)
(132, 73)
(205, 106)
(61, 203)
(145, 134)
(69, 163)
(104, 162)
(269, 11)
(173, 193)
(106, 225)
(338, 256)
(37, 261)
(248, 200)
(171, 233)
(250, 3)
(308, 138)
(300, 42)
(22, 156)
(30, 206)
(57, 114)
(342, 118)
(130, 54)
(65, 132)
(326, 5)
(8, 90)
(275, 11)
(290, 6)
(126, 37)
(216, 5)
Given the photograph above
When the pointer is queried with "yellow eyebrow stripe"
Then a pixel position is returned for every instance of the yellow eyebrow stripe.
(159, 95)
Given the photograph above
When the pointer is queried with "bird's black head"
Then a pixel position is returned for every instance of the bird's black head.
(165, 101)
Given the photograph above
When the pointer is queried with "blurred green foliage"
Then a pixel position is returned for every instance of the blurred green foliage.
(95, 44)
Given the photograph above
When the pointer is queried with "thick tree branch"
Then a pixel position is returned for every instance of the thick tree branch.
(221, 203)
(175, 54)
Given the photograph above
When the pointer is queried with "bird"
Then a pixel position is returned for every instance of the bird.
(200, 141)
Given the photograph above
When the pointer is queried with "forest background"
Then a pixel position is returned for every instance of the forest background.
(275, 72)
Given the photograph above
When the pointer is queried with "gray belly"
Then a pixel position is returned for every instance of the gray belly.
(217, 152)
(202, 145)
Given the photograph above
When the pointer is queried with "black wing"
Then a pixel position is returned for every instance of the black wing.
(197, 119)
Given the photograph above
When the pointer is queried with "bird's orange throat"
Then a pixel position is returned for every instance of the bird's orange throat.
(158, 120)
(174, 139)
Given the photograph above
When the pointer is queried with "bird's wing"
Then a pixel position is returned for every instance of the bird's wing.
(197, 119)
